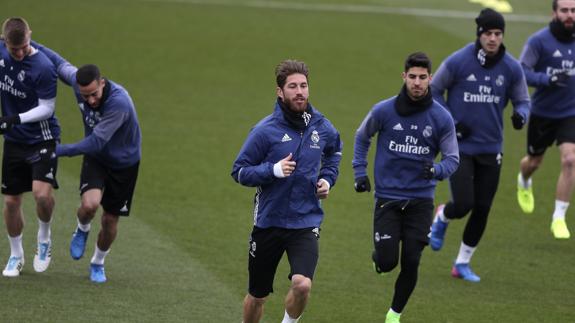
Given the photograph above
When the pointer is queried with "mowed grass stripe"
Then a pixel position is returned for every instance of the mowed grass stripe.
(357, 8)
(150, 279)
(201, 76)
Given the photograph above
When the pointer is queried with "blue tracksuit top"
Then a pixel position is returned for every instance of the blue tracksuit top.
(288, 202)
(476, 97)
(112, 131)
(22, 84)
(542, 56)
(403, 144)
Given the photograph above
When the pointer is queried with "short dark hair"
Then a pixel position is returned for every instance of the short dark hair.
(87, 74)
(15, 30)
(287, 68)
(418, 59)
(554, 5)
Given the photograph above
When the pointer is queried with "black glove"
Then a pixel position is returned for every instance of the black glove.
(517, 120)
(6, 123)
(43, 154)
(362, 184)
(560, 79)
(428, 169)
(462, 131)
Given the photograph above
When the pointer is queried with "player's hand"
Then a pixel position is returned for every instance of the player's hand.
(517, 120)
(362, 184)
(284, 167)
(6, 123)
(322, 190)
(462, 131)
(428, 169)
(560, 79)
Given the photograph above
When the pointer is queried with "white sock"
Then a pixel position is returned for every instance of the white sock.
(99, 255)
(465, 254)
(16, 249)
(43, 231)
(521, 181)
(84, 227)
(560, 209)
(288, 319)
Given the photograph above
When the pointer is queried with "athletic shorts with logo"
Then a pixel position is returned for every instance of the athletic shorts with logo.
(396, 220)
(542, 132)
(21, 165)
(267, 246)
(118, 185)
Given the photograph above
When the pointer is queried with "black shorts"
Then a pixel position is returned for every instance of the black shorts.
(117, 185)
(266, 249)
(397, 220)
(542, 132)
(20, 168)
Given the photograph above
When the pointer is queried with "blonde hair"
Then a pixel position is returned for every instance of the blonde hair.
(15, 30)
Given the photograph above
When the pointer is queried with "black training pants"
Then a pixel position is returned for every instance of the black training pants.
(473, 188)
(408, 222)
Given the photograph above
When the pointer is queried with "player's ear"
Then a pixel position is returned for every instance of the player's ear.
(279, 92)
(403, 76)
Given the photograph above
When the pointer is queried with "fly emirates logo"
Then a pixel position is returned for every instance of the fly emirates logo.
(566, 67)
(484, 96)
(410, 146)
(7, 84)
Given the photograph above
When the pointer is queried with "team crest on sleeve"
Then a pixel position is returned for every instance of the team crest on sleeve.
(427, 131)
(314, 140)
(21, 75)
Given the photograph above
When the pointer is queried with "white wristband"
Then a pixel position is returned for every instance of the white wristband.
(278, 172)
(326, 182)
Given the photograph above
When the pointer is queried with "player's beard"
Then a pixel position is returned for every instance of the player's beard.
(569, 25)
(421, 93)
(296, 106)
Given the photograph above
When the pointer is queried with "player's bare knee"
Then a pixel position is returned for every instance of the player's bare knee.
(89, 207)
(109, 221)
(533, 162)
(255, 301)
(301, 285)
(568, 162)
(12, 203)
(44, 200)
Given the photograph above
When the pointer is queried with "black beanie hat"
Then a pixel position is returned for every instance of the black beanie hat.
(489, 19)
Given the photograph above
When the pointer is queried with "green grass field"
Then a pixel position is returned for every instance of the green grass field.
(201, 74)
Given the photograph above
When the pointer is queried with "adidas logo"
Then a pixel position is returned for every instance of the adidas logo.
(124, 208)
(286, 138)
(2, 63)
(471, 78)
(398, 127)
(557, 53)
(50, 175)
(385, 237)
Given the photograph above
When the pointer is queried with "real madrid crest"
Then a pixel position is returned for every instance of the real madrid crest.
(500, 80)
(427, 131)
(314, 139)
(21, 75)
